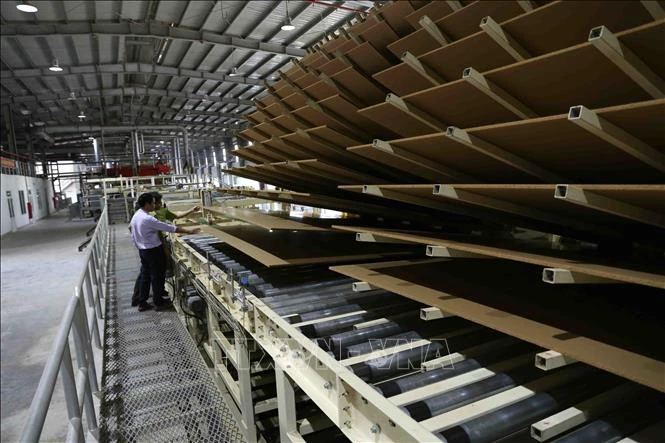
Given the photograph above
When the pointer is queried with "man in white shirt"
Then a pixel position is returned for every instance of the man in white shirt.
(145, 233)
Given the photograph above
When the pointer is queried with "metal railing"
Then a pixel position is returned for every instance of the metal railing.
(80, 382)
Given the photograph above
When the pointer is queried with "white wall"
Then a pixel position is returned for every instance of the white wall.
(15, 183)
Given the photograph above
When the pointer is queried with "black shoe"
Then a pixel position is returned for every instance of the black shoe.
(164, 306)
(134, 303)
(144, 306)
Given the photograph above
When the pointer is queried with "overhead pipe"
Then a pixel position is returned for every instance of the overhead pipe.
(336, 6)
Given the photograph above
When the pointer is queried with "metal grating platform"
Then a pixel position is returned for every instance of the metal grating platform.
(156, 386)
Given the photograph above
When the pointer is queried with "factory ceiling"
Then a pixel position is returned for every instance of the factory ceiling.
(73, 67)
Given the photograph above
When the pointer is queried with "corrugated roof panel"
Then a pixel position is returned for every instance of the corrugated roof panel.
(105, 10)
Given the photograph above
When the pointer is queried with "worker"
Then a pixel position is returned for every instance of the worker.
(145, 230)
(161, 213)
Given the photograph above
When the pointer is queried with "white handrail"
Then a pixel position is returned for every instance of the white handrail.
(79, 381)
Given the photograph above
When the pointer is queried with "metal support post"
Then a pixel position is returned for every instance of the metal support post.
(465, 138)
(433, 30)
(288, 427)
(598, 126)
(503, 39)
(497, 94)
(606, 42)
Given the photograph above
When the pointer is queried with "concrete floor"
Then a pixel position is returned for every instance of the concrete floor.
(40, 265)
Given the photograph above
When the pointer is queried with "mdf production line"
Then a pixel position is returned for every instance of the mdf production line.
(501, 278)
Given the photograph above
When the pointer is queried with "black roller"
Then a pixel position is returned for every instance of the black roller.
(583, 383)
(339, 342)
(394, 387)
(325, 328)
(456, 398)
(405, 361)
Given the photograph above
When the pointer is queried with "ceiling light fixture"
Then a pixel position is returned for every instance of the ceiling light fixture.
(56, 67)
(288, 25)
(234, 72)
(81, 115)
(25, 6)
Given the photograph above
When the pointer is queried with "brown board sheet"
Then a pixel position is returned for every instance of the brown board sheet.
(367, 59)
(457, 25)
(433, 10)
(287, 248)
(563, 148)
(547, 85)
(539, 202)
(560, 24)
(597, 267)
(380, 36)
(394, 119)
(597, 333)
(360, 86)
(314, 200)
(260, 219)
(395, 15)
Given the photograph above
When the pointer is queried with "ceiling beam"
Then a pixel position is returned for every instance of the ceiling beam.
(144, 29)
(131, 91)
(129, 68)
(48, 114)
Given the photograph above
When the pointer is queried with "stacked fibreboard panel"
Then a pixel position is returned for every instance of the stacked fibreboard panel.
(547, 116)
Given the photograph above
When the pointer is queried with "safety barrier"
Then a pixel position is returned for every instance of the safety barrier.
(79, 383)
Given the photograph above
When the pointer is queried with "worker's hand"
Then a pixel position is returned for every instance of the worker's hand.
(193, 230)
(196, 209)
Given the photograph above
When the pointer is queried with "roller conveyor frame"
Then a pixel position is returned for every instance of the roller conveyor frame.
(358, 409)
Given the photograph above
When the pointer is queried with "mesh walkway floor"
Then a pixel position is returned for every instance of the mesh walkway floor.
(156, 386)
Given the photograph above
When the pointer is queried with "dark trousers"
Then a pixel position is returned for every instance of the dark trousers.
(153, 272)
(136, 295)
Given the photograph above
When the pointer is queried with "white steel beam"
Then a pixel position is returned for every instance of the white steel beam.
(415, 113)
(579, 196)
(454, 4)
(526, 5)
(588, 119)
(433, 313)
(497, 94)
(425, 71)
(433, 30)
(654, 8)
(463, 137)
(606, 42)
(503, 39)
(374, 238)
(588, 410)
(548, 360)
(559, 276)
(421, 165)
(361, 286)
(446, 251)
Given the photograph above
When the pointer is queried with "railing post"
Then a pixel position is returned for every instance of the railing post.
(86, 364)
(42, 399)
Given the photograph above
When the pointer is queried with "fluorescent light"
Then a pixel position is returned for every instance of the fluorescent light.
(234, 72)
(288, 26)
(56, 67)
(26, 7)
(81, 115)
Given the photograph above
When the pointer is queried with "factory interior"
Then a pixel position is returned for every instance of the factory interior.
(396, 221)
